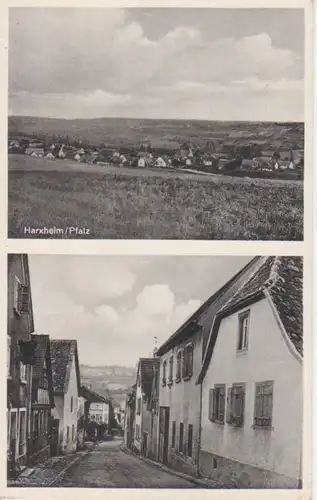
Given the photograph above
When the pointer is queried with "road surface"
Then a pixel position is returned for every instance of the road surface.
(107, 466)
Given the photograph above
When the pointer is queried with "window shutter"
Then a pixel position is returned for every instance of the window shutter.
(16, 295)
(190, 360)
(211, 405)
(25, 299)
(184, 355)
(229, 406)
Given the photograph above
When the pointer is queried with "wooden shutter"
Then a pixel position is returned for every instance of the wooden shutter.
(211, 405)
(25, 299)
(184, 353)
(222, 403)
(229, 406)
(190, 353)
(16, 295)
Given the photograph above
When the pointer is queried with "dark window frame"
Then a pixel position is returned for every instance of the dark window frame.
(243, 337)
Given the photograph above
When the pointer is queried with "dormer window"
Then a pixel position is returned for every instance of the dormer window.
(243, 333)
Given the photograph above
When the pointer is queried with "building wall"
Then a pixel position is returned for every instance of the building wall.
(138, 419)
(67, 418)
(245, 456)
(183, 399)
(70, 417)
(19, 327)
(100, 412)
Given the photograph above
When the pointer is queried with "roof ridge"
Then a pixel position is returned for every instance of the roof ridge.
(274, 274)
(243, 283)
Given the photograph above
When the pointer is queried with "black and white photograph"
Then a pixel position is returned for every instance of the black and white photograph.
(127, 372)
(156, 123)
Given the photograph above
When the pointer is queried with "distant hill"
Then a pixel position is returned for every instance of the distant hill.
(127, 132)
(108, 381)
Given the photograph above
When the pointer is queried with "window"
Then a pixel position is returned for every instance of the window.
(164, 373)
(71, 404)
(22, 432)
(188, 362)
(178, 366)
(243, 339)
(8, 355)
(190, 440)
(73, 432)
(173, 434)
(22, 372)
(21, 297)
(170, 376)
(217, 403)
(137, 432)
(181, 438)
(67, 434)
(235, 405)
(139, 406)
(263, 404)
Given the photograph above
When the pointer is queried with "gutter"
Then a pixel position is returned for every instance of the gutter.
(199, 429)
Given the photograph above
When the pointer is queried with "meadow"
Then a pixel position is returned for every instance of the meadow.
(117, 206)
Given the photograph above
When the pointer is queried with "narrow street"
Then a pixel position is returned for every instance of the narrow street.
(107, 466)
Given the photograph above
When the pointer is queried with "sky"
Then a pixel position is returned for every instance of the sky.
(213, 64)
(114, 306)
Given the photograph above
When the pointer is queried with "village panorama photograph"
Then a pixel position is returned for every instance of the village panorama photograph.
(127, 372)
(164, 123)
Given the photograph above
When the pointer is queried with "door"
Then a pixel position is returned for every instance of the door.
(53, 434)
(144, 444)
(163, 433)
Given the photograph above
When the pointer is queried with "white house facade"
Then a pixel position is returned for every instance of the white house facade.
(251, 414)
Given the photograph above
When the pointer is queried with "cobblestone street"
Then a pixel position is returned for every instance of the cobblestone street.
(107, 466)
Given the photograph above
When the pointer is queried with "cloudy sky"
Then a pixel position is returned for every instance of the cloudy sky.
(115, 306)
(222, 64)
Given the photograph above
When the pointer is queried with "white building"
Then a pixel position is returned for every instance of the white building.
(251, 413)
(66, 380)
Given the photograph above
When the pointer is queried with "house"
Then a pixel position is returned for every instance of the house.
(159, 162)
(143, 415)
(251, 381)
(141, 162)
(179, 396)
(42, 402)
(129, 418)
(34, 151)
(82, 417)
(100, 409)
(20, 359)
(66, 382)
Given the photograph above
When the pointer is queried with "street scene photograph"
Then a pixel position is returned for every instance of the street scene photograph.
(175, 372)
(156, 123)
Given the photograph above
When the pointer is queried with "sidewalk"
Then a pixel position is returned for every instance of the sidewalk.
(203, 483)
(48, 472)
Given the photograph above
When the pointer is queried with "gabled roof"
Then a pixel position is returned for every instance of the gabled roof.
(191, 325)
(43, 355)
(146, 371)
(280, 279)
(92, 396)
(62, 353)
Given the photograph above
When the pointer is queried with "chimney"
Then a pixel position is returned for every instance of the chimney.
(155, 347)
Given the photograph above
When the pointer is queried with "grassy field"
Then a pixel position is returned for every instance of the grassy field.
(116, 206)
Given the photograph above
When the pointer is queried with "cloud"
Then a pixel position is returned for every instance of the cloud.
(110, 66)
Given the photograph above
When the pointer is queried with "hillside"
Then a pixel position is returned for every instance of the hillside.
(108, 381)
(168, 134)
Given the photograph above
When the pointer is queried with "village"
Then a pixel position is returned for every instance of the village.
(213, 407)
(238, 153)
